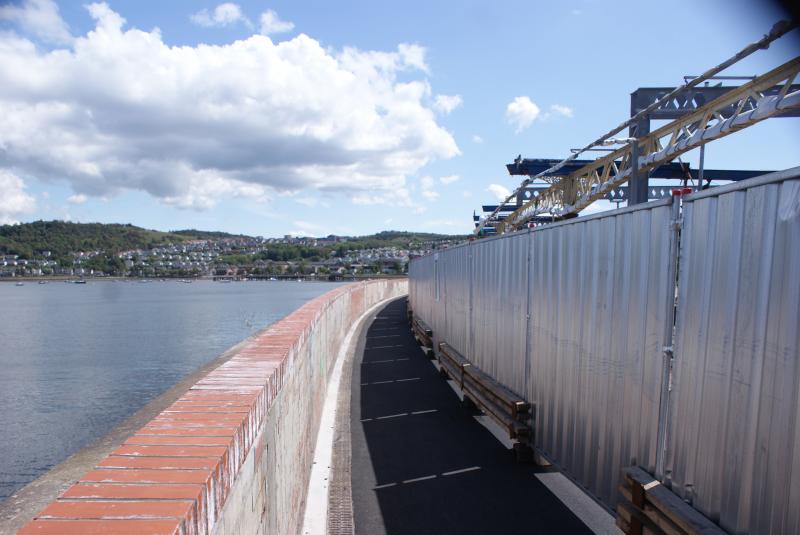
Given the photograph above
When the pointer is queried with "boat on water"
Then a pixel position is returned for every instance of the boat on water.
(42, 282)
(20, 284)
(79, 282)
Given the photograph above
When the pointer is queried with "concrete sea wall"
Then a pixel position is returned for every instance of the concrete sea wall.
(234, 453)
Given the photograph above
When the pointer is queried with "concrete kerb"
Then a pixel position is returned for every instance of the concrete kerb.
(335, 412)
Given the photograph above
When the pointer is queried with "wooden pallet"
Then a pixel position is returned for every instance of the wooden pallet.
(648, 507)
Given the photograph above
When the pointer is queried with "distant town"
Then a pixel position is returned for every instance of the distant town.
(217, 256)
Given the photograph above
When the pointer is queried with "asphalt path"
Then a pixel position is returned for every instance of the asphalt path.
(421, 462)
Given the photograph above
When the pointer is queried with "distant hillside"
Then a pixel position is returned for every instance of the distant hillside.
(394, 238)
(193, 234)
(62, 238)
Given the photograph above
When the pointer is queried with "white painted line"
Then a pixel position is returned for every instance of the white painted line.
(454, 472)
(586, 509)
(392, 416)
(384, 486)
(398, 415)
(394, 381)
(383, 336)
(382, 347)
(315, 516)
(423, 478)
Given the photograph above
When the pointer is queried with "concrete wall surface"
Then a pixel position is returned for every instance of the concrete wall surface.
(234, 453)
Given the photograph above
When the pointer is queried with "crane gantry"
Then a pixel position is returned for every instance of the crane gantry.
(768, 95)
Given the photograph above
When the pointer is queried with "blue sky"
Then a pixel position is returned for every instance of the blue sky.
(312, 118)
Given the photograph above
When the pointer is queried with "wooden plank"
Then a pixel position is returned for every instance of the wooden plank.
(661, 520)
(423, 327)
(504, 395)
(683, 515)
(513, 410)
(422, 335)
(636, 521)
(514, 428)
(492, 387)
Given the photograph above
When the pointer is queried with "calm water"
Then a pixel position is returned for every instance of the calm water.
(76, 360)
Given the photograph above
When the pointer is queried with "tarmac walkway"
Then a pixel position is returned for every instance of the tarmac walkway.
(422, 463)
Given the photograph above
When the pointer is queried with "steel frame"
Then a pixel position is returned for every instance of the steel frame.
(734, 110)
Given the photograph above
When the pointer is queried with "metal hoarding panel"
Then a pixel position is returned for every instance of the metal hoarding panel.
(499, 308)
(456, 271)
(421, 286)
(598, 291)
(734, 422)
(571, 316)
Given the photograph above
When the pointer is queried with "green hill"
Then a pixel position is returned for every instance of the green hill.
(62, 238)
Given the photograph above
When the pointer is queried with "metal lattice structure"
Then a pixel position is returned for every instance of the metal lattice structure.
(766, 96)
(769, 95)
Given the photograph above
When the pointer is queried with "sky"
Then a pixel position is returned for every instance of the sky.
(348, 117)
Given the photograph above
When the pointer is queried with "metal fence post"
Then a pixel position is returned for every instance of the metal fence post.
(527, 374)
(470, 275)
(675, 224)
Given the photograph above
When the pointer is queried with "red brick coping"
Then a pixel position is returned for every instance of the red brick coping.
(174, 474)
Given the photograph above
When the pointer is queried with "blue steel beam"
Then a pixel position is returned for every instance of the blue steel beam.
(672, 170)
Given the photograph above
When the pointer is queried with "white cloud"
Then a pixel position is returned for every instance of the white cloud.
(447, 103)
(499, 191)
(272, 23)
(521, 112)
(413, 56)
(477, 139)
(14, 201)
(223, 15)
(39, 18)
(449, 179)
(564, 111)
(443, 224)
(78, 198)
(122, 110)
(427, 186)
(466, 194)
(305, 228)
(396, 197)
(311, 202)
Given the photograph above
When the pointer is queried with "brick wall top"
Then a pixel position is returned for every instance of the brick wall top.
(173, 475)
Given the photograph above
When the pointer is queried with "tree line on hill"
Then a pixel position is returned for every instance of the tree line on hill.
(63, 239)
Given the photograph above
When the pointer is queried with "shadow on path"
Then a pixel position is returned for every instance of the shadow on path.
(421, 463)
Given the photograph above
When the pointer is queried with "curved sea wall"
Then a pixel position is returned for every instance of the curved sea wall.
(234, 453)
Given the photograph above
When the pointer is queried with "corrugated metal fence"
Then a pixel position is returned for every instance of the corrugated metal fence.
(578, 317)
